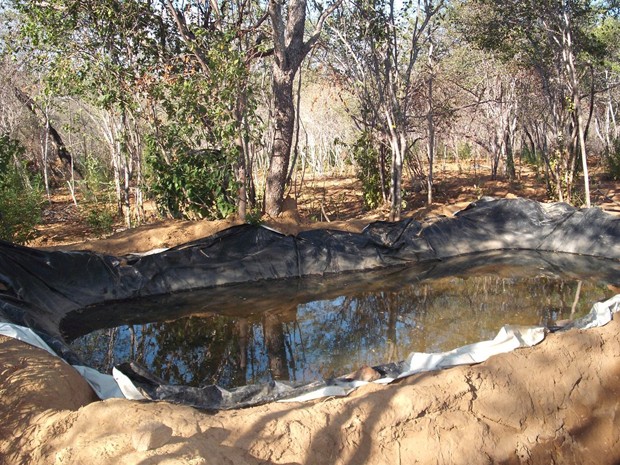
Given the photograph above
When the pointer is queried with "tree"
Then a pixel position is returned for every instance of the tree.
(605, 118)
(384, 46)
(289, 50)
(489, 94)
(554, 39)
(20, 197)
(165, 70)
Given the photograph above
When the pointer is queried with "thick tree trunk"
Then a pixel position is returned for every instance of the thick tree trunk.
(284, 121)
(289, 50)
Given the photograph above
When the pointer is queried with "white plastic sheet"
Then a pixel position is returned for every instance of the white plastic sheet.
(104, 386)
(600, 314)
(129, 390)
(24, 334)
(508, 339)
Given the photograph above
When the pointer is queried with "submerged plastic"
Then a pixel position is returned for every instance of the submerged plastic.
(56, 294)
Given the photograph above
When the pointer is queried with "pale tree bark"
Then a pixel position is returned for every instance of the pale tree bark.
(498, 101)
(242, 155)
(398, 144)
(45, 151)
(506, 121)
(113, 128)
(381, 70)
(511, 172)
(430, 121)
(568, 56)
(561, 85)
(400, 79)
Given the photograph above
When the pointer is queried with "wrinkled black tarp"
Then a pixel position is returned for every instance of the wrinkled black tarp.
(39, 289)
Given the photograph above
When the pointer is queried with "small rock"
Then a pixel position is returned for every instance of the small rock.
(150, 436)
(365, 373)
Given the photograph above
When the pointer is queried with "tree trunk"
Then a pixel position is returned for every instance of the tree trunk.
(398, 144)
(289, 51)
(44, 154)
(242, 328)
(569, 63)
(242, 200)
(584, 158)
(243, 168)
(284, 122)
(430, 147)
(383, 172)
(61, 149)
(430, 120)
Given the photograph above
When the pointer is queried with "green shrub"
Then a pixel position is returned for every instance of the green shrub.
(366, 157)
(193, 183)
(99, 209)
(97, 186)
(101, 219)
(21, 197)
(464, 151)
(531, 158)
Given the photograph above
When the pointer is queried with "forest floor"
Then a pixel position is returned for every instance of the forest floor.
(333, 201)
(558, 402)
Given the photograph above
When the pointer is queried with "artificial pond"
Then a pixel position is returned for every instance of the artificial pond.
(304, 330)
(252, 305)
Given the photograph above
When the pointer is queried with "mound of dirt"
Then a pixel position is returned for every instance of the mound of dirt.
(35, 389)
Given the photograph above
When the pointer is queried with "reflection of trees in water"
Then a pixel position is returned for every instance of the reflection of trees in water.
(330, 338)
(195, 351)
(274, 337)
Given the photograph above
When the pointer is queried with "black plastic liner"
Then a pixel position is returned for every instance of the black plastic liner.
(57, 293)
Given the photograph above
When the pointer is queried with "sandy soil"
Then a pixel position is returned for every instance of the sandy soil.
(555, 403)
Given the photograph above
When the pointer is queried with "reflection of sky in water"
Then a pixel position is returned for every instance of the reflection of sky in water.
(327, 338)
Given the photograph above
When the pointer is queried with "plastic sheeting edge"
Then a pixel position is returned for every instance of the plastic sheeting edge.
(508, 339)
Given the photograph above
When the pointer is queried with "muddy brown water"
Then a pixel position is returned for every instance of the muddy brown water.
(314, 328)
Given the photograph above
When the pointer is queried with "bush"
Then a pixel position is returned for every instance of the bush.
(531, 158)
(367, 170)
(464, 151)
(612, 157)
(97, 185)
(100, 219)
(193, 184)
(20, 196)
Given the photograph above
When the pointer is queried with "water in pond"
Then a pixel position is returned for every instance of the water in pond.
(303, 330)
